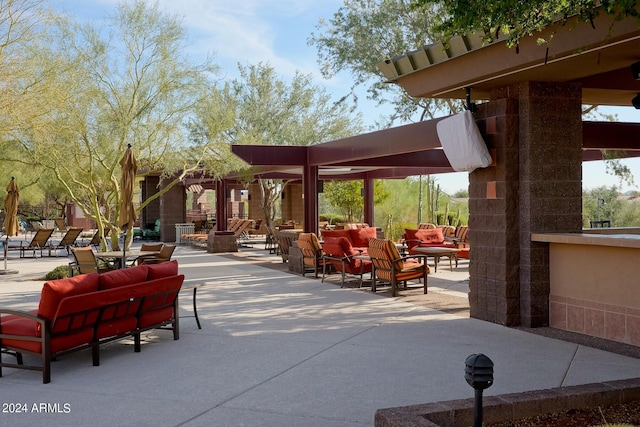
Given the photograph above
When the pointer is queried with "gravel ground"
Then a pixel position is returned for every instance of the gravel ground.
(622, 414)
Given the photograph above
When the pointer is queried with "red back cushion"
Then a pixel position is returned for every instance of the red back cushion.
(360, 236)
(124, 277)
(338, 247)
(335, 233)
(54, 291)
(164, 269)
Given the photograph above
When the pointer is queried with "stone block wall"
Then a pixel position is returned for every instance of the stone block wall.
(534, 131)
(173, 211)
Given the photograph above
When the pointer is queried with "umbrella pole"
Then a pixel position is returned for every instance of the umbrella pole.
(6, 248)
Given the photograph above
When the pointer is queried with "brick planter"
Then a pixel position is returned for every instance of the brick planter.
(514, 406)
(221, 241)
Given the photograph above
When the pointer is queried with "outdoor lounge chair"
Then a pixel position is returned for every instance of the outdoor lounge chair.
(85, 262)
(69, 239)
(95, 239)
(389, 266)
(241, 231)
(60, 226)
(38, 243)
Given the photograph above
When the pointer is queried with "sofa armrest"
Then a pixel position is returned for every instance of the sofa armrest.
(40, 324)
(19, 313)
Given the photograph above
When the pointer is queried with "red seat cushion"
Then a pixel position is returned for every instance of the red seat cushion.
(27, 328)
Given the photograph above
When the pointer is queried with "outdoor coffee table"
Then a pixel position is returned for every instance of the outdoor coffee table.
(436, 253)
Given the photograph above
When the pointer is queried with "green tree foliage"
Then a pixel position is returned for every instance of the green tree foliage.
(600, 203)
(267, 109)
(400, 209)
(101, 88)
(515, 18)
(621, 210)
(364, 32)
(346, 196)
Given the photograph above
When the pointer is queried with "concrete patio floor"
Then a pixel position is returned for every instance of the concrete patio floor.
(280, 349)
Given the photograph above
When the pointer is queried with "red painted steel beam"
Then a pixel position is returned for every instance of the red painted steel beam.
(611, 135)
(405, 139)
(280, 155)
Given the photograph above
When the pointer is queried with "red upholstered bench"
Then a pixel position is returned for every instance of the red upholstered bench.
(85, 311)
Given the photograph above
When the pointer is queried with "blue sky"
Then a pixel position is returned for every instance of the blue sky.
(276, 31)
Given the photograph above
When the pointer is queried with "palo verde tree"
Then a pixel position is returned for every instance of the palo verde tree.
(20, 25)
(361, 34)
(267, 109)
(126, 83)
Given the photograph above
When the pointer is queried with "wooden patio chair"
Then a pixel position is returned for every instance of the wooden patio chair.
(312, 253)
(68, 240)
(85, 262)
(462, 242)
(38, 243)
(390, 267)
(284, 241)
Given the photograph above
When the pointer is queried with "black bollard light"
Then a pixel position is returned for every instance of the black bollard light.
(478, 372)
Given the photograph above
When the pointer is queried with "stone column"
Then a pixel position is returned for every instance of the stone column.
(535, 133)
(173, 210)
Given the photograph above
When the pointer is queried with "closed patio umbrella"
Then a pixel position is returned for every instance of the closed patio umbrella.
(10, 219)
(128, 216)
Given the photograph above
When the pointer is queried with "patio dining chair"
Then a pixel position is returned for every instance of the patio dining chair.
(166, 251)
(85, 262)
(68, 240)
(389, 266)
(157, 247)
(38, 243)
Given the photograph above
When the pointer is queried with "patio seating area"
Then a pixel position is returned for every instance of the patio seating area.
(290, 350)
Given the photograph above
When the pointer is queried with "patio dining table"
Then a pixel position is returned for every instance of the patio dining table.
(119, 258)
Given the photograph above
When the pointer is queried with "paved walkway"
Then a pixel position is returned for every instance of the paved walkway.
(279, 349)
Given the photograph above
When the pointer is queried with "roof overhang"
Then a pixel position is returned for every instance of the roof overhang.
(404, 151)
(598, 57)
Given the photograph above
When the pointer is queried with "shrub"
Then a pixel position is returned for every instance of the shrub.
(60, 272)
